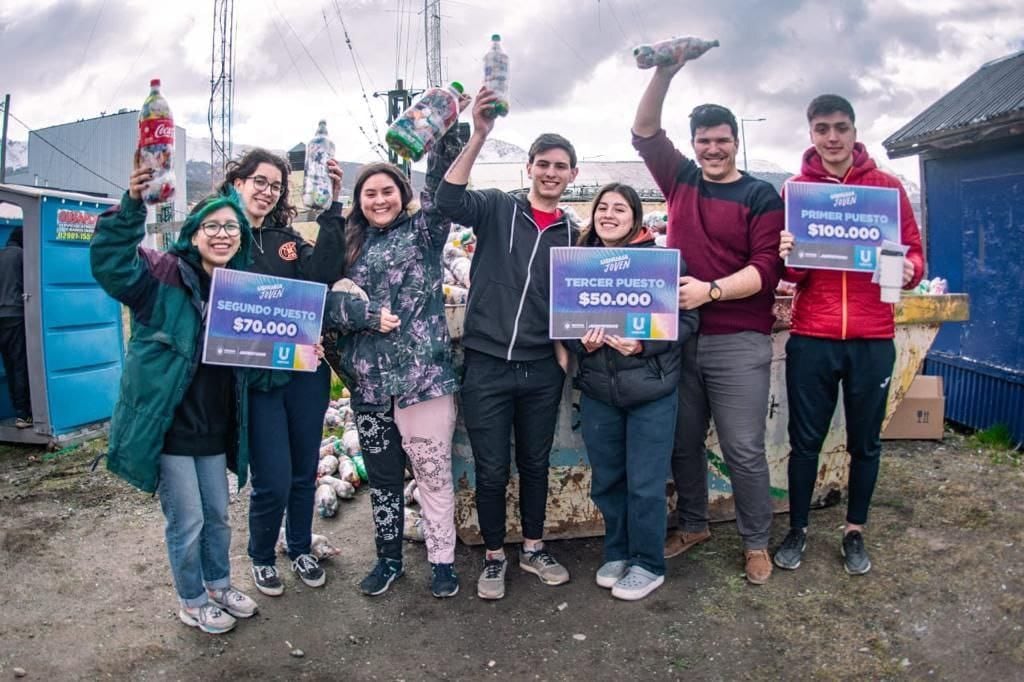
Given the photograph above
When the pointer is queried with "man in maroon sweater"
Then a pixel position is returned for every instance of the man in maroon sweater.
(726, 225)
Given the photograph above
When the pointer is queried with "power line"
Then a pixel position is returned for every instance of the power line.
(356, 62)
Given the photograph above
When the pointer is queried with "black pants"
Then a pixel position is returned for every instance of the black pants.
(814, 370)
(381, 443)
(500, 398)
(12, 348)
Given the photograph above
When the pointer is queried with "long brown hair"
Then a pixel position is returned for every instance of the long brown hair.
(243, 168)
(357, 225)
(589, 235)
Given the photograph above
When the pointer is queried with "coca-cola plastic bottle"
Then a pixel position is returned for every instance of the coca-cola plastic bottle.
(425, 122)
(496, 77)
(317, 189)
(671, 51)
(156, 145)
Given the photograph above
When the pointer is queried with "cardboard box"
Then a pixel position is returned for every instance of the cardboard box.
(921, 413)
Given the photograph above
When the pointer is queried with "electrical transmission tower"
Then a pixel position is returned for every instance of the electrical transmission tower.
(222, 88)
(432, 33)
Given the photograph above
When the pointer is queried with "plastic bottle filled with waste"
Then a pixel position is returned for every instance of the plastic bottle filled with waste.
(671, 51)
(496, 76)
(316, 191)
(425, 122)
(156, 145)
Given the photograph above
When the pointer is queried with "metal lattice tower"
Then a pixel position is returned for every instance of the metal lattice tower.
(222, 88)
(432, 33)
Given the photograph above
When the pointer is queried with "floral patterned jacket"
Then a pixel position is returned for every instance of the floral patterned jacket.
(399, 268)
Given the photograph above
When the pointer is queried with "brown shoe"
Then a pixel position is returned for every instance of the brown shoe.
(759, 566)
(681, 541)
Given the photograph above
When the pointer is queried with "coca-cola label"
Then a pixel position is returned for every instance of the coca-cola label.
(156, 131)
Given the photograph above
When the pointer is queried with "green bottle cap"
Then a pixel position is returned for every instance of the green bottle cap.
(495, 37)
(457, 86)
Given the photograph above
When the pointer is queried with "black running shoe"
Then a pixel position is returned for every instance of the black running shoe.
(791, 551)
(380, 578)
(855, 557)
(443, 580)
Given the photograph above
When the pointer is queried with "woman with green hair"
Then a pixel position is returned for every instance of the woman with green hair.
(178, 423)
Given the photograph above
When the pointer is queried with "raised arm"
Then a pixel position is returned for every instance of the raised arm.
(325, 262)
(648, 112)
(431, 220)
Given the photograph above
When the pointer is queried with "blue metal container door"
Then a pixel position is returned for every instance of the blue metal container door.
(82, 335)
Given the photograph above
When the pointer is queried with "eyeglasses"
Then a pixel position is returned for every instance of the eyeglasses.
(212, 228)
(262, 184)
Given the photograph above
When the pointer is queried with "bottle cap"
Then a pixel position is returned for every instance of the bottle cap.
(155, 83)
(495, 37)
(457, 86)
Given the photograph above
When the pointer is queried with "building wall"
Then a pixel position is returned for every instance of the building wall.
(975, 213)
(106, 145)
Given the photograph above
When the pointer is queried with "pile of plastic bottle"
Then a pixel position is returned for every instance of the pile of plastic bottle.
(341, 469)
(457, 259)
(935, 286)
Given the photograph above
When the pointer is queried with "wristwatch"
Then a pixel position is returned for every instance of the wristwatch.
(715, 291)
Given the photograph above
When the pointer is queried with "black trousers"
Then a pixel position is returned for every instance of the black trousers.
(500, 398)
(12, 348)
(381, 443)
(815, 368)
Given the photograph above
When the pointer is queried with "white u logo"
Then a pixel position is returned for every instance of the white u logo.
(284, 354)
(639, 324)
(865, 257)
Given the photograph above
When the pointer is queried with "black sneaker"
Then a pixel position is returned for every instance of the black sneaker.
(855, 557)
(380, 578)
(444, 582)
(791, 551)
(267, 580)
(309, 571)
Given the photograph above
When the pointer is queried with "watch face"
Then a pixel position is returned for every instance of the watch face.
(715, 293)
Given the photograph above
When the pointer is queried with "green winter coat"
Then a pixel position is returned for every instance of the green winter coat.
(162, 292)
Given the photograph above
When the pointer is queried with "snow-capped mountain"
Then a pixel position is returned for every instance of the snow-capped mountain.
(498, 151)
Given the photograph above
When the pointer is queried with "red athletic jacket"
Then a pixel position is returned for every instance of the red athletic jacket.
(845, 305)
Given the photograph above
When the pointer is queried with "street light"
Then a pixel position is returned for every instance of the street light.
(743, 136)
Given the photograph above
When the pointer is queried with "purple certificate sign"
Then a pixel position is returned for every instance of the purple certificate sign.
(263, 321)
(633, 293)
(840, 227)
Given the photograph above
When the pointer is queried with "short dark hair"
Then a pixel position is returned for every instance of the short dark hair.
(823, 105)
(709, 116)
(589, 236)
(16, 238)
(553, 141)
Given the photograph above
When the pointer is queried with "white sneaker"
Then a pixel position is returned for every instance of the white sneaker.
(636, 584)
(610, 573)
(208, 618)
(235, 602)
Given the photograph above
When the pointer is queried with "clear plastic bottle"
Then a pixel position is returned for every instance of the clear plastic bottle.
(496, 76)
(317, 190)
(671, 51)
(156, 145)
(424, 123)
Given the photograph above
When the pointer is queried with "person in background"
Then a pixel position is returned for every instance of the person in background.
(841, 334)
(286, 408)
(178, 424)
(12, 328)
(629, 393)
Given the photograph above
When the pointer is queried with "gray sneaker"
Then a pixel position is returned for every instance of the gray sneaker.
(855, 557)
(208, 618)
(491, 583)
(791, 551)
(636, 584)
(544, 566)
(234, 601)
(610, 573)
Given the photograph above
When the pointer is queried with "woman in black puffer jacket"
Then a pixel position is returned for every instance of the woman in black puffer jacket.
(628, 412)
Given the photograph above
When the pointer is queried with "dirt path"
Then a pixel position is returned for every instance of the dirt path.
(87, 594)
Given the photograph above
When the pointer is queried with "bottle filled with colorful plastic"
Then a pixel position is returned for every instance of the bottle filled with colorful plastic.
(156, 145)
(496, 76)
(317, 189)
(425, 122)
(671, 51)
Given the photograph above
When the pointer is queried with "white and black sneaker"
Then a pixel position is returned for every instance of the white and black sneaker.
(308, 569)
(267, 580)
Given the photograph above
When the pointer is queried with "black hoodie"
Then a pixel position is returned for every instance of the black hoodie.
(12, 278)
(508, 307)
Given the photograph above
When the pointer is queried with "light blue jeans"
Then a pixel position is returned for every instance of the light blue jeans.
(194, 498)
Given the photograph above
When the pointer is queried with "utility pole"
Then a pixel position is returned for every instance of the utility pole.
(222, 89)
(3, 142)
(399, 99)
(743, 136)
(432, 32)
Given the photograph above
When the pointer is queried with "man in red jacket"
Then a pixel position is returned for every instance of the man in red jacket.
(842, 333)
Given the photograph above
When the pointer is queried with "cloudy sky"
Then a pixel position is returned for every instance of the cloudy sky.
(572, 69)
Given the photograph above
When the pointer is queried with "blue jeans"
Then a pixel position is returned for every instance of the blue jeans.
(630, 450)
(285, 429)
(194, 498)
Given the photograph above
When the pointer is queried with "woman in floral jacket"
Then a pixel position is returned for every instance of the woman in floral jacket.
(395, 357)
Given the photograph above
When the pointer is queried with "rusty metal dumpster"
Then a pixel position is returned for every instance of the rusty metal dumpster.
(571, 513)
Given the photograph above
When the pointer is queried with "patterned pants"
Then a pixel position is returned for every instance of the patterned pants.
(423, 432)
